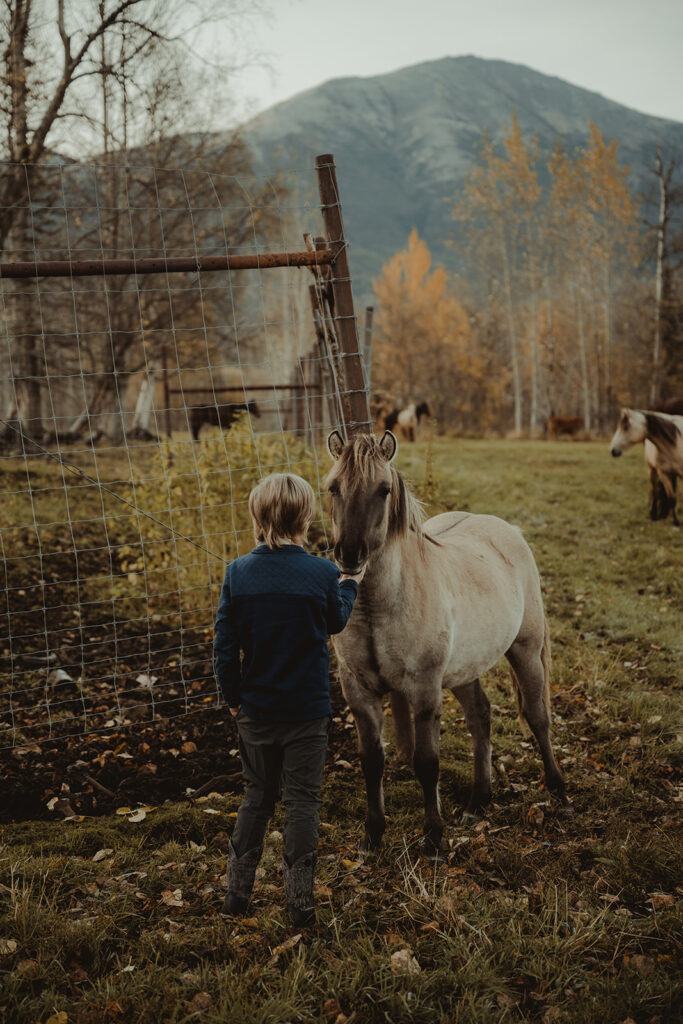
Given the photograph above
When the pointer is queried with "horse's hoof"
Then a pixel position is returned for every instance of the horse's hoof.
(370, 845)
(470, 818)
(566, 810)
(432, 849)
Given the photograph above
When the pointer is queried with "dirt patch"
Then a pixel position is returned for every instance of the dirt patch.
(138, 764)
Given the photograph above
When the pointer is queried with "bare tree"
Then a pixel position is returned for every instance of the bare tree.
(151, 86)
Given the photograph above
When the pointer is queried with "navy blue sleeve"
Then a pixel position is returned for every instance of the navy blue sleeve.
(226, 648)
(340, 598)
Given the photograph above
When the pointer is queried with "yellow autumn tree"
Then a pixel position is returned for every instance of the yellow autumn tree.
(501, 210)
(424, 348)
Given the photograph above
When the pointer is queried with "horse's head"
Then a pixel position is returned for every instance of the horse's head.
(630, 430)
(369, 498)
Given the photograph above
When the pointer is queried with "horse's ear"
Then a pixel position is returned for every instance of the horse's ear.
(388, 445)
(335, 444)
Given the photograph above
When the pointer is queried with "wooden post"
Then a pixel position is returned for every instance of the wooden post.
(367, 344)
(354, 396)
(328, 366)
(167, 393)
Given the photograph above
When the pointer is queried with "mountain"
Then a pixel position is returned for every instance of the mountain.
(404, 141)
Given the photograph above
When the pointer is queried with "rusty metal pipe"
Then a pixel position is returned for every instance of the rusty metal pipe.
(170, 265)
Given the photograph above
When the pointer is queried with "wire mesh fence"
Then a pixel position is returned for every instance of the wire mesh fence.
(168, 337)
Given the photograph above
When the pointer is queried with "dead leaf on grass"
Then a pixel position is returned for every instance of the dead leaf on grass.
(172, 897)
(639, 962)
(101, 854)
(8, 946)
(659, 900)
(279, 950)
(200, 1002)
(403, 962)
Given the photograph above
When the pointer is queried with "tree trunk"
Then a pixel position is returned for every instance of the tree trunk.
(512, 335)
(656, 381)
(583, 355)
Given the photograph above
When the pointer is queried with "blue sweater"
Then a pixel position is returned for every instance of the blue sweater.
(277, 607)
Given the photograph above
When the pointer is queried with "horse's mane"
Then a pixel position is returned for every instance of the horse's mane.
(661, 427)
(355, 466)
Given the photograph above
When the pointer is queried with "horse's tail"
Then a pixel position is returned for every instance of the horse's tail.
(546, 661)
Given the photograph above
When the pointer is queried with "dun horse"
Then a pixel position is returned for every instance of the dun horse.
(440, 603)
(664, 433)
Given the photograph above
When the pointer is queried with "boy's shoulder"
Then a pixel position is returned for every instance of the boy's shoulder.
(259, 568)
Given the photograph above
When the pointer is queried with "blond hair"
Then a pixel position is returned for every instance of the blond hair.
(282, 506)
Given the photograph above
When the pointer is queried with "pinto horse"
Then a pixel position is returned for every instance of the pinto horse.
(663, 437)
(441, 602)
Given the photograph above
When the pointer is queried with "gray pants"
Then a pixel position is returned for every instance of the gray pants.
(275, 755)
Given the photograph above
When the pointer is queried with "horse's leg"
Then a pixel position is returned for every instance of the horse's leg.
(534, 704)
(404, 731)
(477, 710)
(427, 717)
(672, 480)
(655, 487)
(367, 712)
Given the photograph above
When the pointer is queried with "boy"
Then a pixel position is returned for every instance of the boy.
(277, 606)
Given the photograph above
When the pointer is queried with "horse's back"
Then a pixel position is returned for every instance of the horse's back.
(474, 536)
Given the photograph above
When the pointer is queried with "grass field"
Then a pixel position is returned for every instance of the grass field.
(532, 916)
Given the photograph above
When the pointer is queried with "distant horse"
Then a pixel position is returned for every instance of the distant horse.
(664, 433)
(440, 603)
(660, 504)
(407, 420)
(564, 426)
(222, 416)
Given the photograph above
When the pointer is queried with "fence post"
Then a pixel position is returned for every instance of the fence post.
(367, 344)
(354, 396)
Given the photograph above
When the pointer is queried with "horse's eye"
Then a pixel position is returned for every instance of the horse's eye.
(384, 490)
(334, 490)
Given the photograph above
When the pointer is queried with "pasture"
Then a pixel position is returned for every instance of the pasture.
(532, 916)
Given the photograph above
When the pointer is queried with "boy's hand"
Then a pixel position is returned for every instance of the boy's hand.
(356, 578)
(234, 712)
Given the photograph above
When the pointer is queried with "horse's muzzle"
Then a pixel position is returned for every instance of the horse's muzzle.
(349, 561)
(616, 452)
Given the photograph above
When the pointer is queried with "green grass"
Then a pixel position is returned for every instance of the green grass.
(534, 916)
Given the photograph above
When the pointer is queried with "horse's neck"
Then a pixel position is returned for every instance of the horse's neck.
(388, 572)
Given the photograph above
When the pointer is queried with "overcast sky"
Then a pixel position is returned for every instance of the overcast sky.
(631, 51)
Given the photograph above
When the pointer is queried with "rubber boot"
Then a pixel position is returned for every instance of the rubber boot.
(298, 883)
(241, 873)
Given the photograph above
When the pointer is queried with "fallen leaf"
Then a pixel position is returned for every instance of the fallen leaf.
(535, 815)
(124, 810)
(661, 899)
(431, 926)
(200, 1002)
(101, 854)
(639, 962)
(351, 865)
(172, 897)
(188, 747)
(8, 946)
(60, 1017)
(138, 815)
(332, 1008)
(288, 944)
(403, 962)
